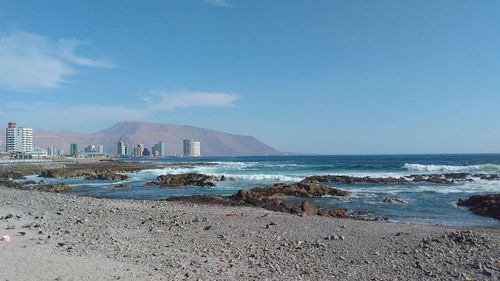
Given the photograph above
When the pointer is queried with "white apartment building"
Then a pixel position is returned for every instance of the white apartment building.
(18, 139)
(191, 148)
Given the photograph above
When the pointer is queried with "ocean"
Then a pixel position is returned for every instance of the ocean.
(427, 203)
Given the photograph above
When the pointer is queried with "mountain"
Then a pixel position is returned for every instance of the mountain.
(213, 143)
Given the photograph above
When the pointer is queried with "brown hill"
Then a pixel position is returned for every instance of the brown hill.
(213, 143)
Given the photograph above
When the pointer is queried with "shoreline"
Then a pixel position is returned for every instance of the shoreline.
(108, 239)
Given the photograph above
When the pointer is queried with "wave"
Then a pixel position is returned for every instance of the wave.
(265, 177)
(483, 168)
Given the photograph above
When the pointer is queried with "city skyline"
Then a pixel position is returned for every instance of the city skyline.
(365, 77)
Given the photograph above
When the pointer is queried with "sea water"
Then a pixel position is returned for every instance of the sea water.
(427, 203)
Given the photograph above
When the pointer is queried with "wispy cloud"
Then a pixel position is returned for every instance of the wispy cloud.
(59, 116)
(219, 3)
(32, 62)
(167, 101)
(86, 117)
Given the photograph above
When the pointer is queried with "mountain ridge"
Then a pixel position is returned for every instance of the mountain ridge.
(213, 142)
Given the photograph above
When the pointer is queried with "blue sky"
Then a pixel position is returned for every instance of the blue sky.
(331, 77)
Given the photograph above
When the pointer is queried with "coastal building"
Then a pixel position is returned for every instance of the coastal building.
(159, 149)
(89, 148)
(121, 149)
(191, 148)
(18, 139)
(196, 148)
(73, 149)
(139, 150)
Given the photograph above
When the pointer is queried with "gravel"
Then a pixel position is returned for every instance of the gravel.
(81, 238)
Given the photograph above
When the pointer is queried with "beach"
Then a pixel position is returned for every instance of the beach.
(67, 237)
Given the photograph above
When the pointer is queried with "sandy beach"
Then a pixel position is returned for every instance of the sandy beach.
(65, 237)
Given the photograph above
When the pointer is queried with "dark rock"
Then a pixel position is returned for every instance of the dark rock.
(394, 200)
(120, 187)
(484, 205)
(190, 179)
(88, 174)
(308, 208)
(9, 183)
(338, 213)
(56, 188)
(323, 213)
(151, 184)
(355, 180)
(301, 189)
(487, 177)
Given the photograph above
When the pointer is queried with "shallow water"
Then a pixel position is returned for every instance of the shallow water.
(427, 203)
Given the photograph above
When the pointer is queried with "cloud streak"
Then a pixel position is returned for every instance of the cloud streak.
(30, 62)
(168, 101)
(57, 115)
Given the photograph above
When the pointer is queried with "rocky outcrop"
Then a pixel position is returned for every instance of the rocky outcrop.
(190, 179)
(120, 187)
(484, 205)
(9, 183)
(394, 200)
(447, 178)
(354, 180)
(300, 189)
(56, 188)
(273, 203)
(87, 174)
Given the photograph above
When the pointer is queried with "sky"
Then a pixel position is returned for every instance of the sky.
(323, 76)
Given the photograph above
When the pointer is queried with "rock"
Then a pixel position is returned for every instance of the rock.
(447, 178)
(56, 188)
(323, 213)
(88, 174)
(308, 208)
(190, 179)
(338, 213)
(30, 182)
(301, 189)
(151, 184)
(120, 187)
(484, 205)
(394, 200)
(354, 180)
(9, 183)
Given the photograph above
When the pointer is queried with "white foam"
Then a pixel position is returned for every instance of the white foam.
(485, 168)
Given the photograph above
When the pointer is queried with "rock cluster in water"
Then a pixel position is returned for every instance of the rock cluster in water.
(87, 174)
(484, 205)
(272, 198)
(447, 178)
(189, 179)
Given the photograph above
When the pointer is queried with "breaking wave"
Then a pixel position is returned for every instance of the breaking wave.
(483, 168)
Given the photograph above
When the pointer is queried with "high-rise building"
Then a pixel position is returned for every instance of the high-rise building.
(159, 149)
(196, 148)
(139, 150)
(89, 148)
(191, 148)
(18, 139)
(100, 149)
(73, 149)
(187, 147)
(121, 148)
